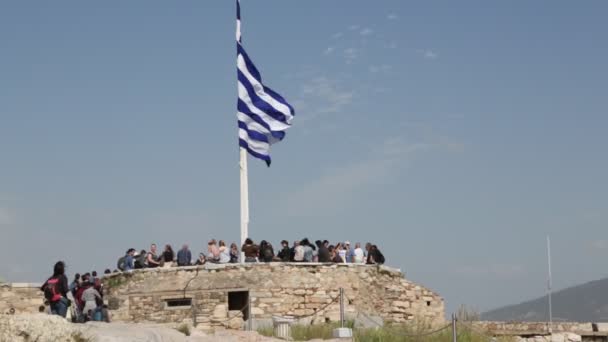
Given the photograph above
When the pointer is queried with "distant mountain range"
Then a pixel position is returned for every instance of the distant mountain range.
(583, 303)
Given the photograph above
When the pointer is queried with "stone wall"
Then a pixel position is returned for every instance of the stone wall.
(19, 298)
(213, 296)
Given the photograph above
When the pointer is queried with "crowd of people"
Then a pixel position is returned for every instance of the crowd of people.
(84, 295)
(219, 252)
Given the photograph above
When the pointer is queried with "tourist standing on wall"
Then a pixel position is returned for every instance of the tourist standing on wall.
(184, 256)
(151, 258)
(55, 290)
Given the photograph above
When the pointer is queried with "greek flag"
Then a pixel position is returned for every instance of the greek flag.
(263, 115)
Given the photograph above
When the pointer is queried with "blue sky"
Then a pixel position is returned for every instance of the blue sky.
(455, 135)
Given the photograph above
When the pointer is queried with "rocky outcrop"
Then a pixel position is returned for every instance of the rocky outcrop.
(47, 328)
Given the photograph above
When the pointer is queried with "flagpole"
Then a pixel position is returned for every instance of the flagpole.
(549, 285)
(244, 199)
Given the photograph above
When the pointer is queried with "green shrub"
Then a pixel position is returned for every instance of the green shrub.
(184, 329)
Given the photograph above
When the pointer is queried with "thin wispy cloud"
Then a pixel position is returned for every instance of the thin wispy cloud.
(392, 45)
(353, 27)
(392, 16)
(337, 35)
(329, 50)
(350, 55)
(322, 95)
(366, 31)
(427, 54)
(374, 69)
(336, 186)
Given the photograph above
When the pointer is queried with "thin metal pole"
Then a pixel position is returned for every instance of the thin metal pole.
(549, 286)
(244, 199)
(454, 336)
(342, 307)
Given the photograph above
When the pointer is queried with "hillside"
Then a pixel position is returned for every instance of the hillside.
(583, 303)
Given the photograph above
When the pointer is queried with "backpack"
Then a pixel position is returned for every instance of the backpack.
(268, 254)
(379, 258)
(121, 263)
(51, 293)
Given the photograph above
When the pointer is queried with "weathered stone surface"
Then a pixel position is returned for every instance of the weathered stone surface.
(275, 289)
(46, 328)
(20, 298)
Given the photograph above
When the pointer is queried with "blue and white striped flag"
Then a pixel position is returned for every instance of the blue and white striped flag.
(263, 115)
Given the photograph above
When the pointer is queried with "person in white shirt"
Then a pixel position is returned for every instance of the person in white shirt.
(358, 255)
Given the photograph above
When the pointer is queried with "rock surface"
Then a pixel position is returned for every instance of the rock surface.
(47, 328)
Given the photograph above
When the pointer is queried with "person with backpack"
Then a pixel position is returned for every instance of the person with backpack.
(266, 251)
(140, 260)
(55, 290)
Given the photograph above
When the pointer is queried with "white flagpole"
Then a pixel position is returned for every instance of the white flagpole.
(549, 285)
(244, 200)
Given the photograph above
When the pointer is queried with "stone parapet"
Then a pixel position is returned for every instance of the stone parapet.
(215, 294)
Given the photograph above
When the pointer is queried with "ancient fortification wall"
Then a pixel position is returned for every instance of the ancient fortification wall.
(20, 298)
(217, 295)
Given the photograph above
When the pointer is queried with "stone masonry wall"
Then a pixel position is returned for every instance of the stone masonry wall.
(20, 298)
(275, 289)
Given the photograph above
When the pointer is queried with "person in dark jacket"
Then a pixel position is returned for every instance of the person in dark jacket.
(285, 253)
(140, 260)
(266, 251)
(323, 253)
(168, 254)
(56, 289)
